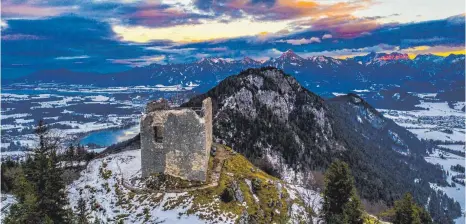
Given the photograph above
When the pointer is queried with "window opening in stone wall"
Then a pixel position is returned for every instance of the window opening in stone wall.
(158, 134)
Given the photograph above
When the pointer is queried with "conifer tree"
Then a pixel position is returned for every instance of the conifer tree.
(341, 203)
(41, 191)
(26, 210)
(352, 211)
(82, 218)
(70, 155)
(408, 212)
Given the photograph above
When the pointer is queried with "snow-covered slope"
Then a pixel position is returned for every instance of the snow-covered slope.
(110, 199)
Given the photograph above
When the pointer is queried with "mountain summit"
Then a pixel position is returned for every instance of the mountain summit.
(282, 127)
(290, 55)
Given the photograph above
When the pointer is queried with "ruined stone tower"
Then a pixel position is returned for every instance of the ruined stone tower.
(176, 141)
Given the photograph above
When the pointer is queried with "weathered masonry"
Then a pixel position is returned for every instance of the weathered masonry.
(176, 141)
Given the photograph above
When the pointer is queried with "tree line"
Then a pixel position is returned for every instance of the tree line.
(342, 205)
(38, 183)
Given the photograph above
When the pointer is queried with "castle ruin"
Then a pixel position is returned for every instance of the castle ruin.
(176, 141)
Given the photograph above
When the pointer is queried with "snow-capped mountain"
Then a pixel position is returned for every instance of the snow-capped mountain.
(320, 73)
(289, 58)
(249, 61)
(381, 58)
(321, 60)
(426, 58)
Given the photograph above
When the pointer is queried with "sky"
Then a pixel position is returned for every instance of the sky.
(114, 35)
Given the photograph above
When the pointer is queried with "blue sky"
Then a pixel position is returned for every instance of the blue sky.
(114, 35)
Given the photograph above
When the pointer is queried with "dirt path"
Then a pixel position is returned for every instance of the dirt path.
(220, 156)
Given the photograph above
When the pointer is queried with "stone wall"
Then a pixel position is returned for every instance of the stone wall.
(176, 142)
(152, 153)
(207, 110)
(184, 144)
(161, 104)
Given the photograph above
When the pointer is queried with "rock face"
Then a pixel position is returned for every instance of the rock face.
(176, 141)
(268, 116)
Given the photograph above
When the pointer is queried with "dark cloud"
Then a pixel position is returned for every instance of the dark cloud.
(204, 4)
(144, 13)
(91, 45)
(29, 45)
(162, 16)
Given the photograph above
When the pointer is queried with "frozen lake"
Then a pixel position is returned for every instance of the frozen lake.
(109, 137)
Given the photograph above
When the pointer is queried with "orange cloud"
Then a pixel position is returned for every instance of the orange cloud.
(343, 26)
(282, 9)
(336, 17)
(311, 8)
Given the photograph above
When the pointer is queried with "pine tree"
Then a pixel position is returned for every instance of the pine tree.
(82, 218)
(81, 153)
(70, 155)
(55, 200)
(408, 212)
(9, 169)
(40, 190)
(352, 211)
(403, 210)
(26, 210)
(425, 216)
(341, 203)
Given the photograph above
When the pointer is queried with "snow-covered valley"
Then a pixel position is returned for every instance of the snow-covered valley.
(444, 126)
(99, 117)
(95, 117)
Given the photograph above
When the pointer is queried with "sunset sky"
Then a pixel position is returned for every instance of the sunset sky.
(114, 35)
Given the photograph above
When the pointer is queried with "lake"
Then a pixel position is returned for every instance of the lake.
(109, 137)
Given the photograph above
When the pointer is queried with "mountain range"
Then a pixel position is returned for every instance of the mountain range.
(322, 74)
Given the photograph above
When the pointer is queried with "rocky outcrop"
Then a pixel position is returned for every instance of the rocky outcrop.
(266, 114)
